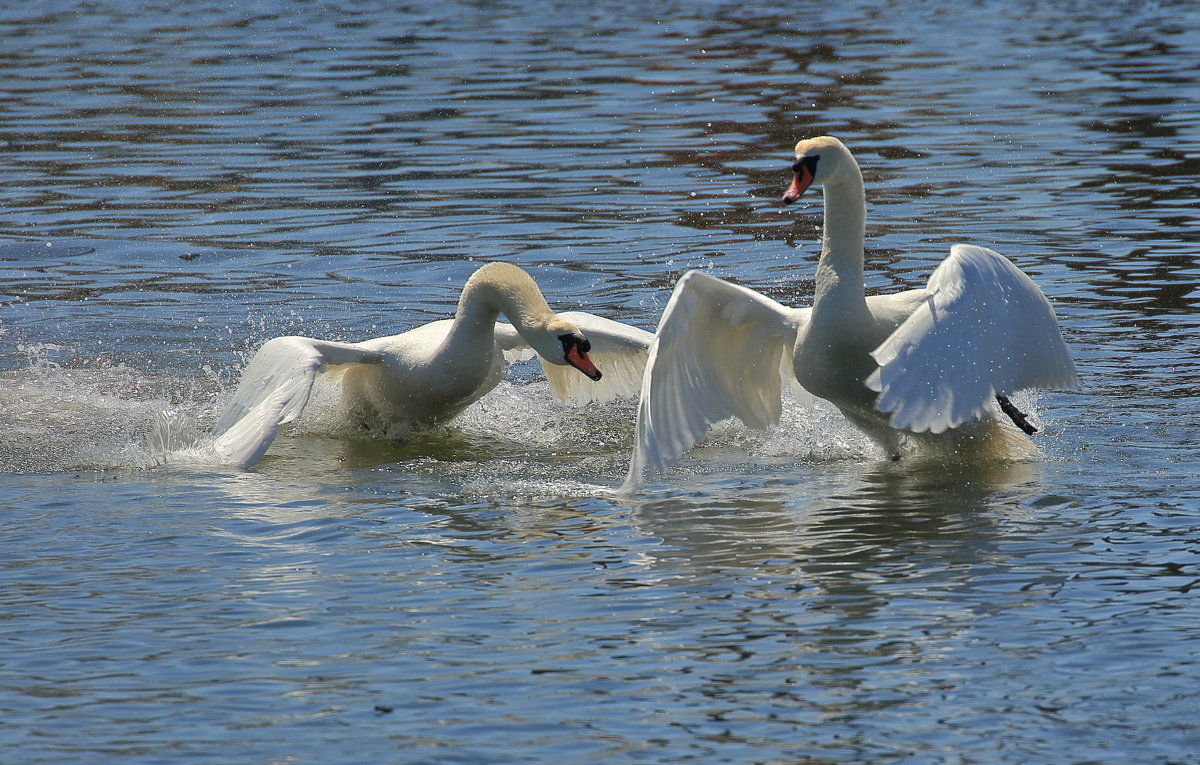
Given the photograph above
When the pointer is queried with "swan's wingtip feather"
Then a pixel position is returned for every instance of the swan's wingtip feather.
(702, 369)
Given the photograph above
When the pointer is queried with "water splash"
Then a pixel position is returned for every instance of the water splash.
(70, 418)
(67, 413)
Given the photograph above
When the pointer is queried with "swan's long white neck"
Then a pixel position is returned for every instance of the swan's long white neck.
(501, 288)
(839, 278)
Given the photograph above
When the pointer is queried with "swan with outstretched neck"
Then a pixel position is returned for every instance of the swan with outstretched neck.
(929, 368)
(430, 374)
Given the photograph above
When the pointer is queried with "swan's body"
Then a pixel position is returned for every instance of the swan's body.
(431, 373)
(921, 366)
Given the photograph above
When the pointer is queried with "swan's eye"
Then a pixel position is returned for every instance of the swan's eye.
(580, 341)
(808, 163)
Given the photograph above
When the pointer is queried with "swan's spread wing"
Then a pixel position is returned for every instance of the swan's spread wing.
(273, 391)
(985, 328)
(619, 351)
(514, 346)
(719, 352)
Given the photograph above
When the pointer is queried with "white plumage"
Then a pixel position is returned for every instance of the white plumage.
(924, 366)
(433, 372)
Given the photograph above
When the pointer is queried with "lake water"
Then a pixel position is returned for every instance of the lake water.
(181, 183)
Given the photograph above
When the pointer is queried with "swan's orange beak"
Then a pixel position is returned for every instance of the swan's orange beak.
(803, 172)
(578, 358)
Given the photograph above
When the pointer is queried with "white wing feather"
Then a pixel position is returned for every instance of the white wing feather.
(619, 351)
(273, 391)
(720, 352)
(985, 328)
(514, 346)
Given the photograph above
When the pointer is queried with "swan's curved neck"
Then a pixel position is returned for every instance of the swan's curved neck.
(840, 270)
(501, 288)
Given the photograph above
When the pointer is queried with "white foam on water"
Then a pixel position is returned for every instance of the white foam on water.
(95, 414)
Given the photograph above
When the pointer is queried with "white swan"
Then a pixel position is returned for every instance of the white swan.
(924, 365)
(433, 372)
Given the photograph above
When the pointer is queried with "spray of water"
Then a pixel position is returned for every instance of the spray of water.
(66, 413)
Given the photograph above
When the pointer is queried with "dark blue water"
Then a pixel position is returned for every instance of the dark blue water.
(181, 183)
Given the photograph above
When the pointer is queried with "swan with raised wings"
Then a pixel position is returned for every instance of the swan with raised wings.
(431, 373)
(925, 367)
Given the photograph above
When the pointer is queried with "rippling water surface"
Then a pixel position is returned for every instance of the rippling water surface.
(181, 183)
